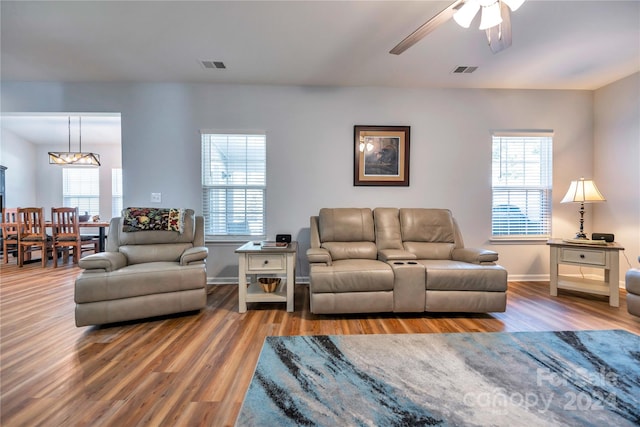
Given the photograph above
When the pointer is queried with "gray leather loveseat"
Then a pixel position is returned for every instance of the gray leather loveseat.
(399, 260)
(143, 274)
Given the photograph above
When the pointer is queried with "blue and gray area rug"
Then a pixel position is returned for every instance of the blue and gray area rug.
(582, 378)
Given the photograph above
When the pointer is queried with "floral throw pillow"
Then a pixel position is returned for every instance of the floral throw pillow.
(145, 219)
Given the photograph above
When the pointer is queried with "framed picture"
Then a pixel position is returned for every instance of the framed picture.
(381, 155)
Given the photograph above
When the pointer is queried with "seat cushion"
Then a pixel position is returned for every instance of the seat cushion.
(445, 275)
(355, 275)
(137, 280)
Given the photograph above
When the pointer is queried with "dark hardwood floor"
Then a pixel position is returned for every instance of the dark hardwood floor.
(193, 370)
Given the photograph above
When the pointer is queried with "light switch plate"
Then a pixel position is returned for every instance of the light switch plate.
(156, 197)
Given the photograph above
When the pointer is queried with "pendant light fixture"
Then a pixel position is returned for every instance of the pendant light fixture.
(74, 158)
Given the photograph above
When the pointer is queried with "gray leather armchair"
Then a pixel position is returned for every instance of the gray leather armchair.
(632, 283)
(143, 274)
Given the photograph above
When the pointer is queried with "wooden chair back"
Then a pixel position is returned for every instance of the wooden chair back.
(9, 232)
(65, 226)
(31, 224)
(32, 234)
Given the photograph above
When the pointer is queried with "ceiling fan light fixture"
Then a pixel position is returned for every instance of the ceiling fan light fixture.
(495, 20)
(466, 13)
(513, 4)
(490, 16)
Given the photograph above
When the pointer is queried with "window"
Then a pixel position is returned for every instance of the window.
(81, 188)
(521, 185)
(234, 185)
(116, 192)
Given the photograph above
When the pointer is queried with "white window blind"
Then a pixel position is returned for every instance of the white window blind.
(116, 192)
(234, 185)
(81, 188)
(521, 185)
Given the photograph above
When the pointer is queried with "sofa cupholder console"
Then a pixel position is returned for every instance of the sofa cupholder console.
(399, 260)
(408, 286)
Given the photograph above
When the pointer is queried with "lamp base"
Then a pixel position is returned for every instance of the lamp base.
(581, 235)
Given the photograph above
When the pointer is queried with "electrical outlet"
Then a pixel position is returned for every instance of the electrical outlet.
(156, 197)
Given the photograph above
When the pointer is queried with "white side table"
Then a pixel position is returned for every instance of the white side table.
(586, 255)
(253, 259)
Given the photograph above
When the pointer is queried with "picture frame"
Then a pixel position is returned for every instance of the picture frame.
(381, 155)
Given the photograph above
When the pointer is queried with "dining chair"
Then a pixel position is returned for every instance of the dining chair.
(9, 232)
(32, 235)
(65, 227)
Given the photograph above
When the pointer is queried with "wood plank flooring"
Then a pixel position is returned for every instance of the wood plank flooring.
(193, 370)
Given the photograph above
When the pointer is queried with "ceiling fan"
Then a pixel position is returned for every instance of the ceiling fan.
(495, 19)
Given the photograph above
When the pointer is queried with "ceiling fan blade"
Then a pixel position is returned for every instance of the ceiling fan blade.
(426, 28)
(500, 36)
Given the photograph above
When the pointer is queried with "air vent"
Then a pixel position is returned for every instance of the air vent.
(210, 65)
(464, 69)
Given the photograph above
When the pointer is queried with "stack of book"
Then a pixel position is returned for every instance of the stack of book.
(586, 242)
(268, 244)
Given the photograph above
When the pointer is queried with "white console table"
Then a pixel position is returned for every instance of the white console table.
(605, 257)
(253, 259)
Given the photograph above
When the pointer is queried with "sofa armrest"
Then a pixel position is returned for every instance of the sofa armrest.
(194, 255)
(475, 255)
(103, 261)
(318, 256)
(395, 254)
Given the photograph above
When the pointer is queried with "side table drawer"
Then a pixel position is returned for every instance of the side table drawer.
(266, 262)
(583, 256)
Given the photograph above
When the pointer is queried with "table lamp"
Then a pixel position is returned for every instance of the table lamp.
(582, 191)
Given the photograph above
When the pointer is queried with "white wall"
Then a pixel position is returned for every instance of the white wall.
(617, 165)
(310, 155)
(19, 156)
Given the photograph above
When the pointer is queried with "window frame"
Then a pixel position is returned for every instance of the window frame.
(524, 204)
(117, 189)
(71, 199)
(246, 193)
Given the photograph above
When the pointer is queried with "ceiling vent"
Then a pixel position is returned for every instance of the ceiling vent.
(464, 69)
(210, 65)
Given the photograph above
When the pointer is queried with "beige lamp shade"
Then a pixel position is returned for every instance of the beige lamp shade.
(583, 191)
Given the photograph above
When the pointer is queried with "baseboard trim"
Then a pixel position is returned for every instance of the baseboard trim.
(545, 278)
(304, 280)
(528, 277)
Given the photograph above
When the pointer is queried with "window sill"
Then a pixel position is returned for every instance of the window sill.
(233, 240)
(519, 240)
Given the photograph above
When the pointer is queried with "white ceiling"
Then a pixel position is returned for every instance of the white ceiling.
(54, 128)
(556, 44)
